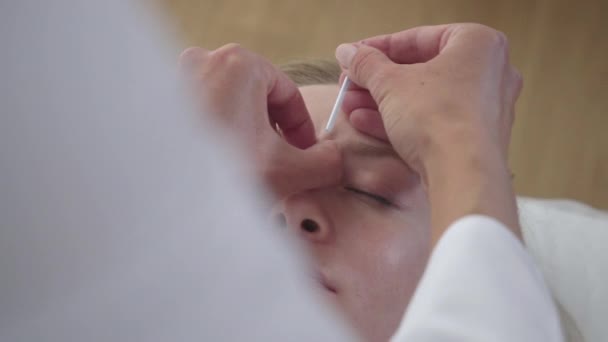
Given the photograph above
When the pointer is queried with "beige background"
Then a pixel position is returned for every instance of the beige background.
(560, 140)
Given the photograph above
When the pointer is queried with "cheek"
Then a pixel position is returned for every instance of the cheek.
(383, 258)
(386, 251)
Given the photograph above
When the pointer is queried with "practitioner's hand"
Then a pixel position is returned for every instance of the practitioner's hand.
(265, 110)
(446, 97)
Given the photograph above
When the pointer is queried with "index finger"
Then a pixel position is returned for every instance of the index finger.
(416, 45)
(287, 109)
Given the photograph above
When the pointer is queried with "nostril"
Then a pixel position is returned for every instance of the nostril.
(310, 226)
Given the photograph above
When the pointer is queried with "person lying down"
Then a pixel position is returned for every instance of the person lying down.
(372, 237)
(360, 196)
(123, 244)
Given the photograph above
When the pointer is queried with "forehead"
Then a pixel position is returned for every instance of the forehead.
(320, 100)
(367, 160)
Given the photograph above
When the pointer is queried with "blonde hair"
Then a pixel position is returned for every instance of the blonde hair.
(312, 71)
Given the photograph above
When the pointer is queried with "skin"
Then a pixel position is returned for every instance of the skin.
(441, 96)
(253, 100)
(444, 97)
(369, 253)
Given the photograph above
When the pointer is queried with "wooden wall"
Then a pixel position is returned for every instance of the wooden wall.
(560, 140)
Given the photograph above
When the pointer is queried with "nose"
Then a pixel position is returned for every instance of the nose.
(305, 217)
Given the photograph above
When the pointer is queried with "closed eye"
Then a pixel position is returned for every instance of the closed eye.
(375, 197)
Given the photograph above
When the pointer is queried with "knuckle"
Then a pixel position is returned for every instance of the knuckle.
(519, 80)
(231, 56)
(388, 75)
(231, 48)
(500, 39)
(478, 27)
(362, 61)
(496, 38)
(393, 122)
(375, 76)
(382, 82)
(488, 35)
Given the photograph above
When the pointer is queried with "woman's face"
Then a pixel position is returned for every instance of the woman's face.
(369, 237)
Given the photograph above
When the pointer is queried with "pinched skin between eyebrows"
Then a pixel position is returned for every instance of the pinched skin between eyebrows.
(363, 149)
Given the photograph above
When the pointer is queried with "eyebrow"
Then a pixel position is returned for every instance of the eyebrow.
(365, 149)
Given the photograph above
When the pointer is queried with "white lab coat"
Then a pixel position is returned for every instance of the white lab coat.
(480, 285)
(121, 220)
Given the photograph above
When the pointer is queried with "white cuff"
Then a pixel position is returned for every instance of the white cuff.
(480, 285)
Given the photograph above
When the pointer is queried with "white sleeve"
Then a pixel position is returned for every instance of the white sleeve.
(480, 285)
(121, 219)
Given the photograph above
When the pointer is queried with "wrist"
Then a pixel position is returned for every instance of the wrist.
(465, 179)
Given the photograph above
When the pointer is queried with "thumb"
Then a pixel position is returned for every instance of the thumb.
(291, 170)
(366, 66)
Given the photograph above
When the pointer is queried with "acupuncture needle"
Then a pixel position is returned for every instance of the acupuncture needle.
(334, 113)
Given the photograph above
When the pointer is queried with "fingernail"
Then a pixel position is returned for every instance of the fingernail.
(345, 54)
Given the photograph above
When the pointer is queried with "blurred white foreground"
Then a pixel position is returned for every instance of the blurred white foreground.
(119, 221)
